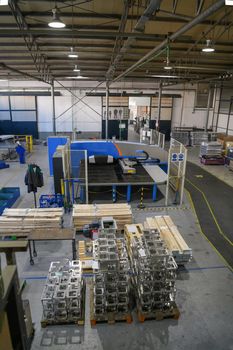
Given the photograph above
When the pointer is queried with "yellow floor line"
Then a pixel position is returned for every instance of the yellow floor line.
(212, 213)
(199, 226)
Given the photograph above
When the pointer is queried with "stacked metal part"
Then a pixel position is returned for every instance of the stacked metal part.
(154, 273)
(62, 295)
(197, 137)
(181, 136)
(211, 149)
(111, 275)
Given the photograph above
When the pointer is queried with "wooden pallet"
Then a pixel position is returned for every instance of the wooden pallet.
(108, 317)
(23, 220)
(87, 213)
(44, 323)
(80, 322)
(158, 315)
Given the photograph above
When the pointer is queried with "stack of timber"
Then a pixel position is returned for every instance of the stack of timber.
(133, 231)
(170, 234)
(85, 256)
(84, 214)
(24, 220)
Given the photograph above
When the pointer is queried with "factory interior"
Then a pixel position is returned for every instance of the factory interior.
(116, 174)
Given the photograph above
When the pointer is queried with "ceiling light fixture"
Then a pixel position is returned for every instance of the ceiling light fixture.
(168, 66)
(165, 76)
(72, 54)
(208, 47)
(3, 2)
(229, 2)
(76, 69)
(56, 21)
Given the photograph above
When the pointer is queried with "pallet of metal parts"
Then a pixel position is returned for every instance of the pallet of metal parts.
(212, 160)
(63, 296)
(154, 276)
(111, 282)
(212, 149)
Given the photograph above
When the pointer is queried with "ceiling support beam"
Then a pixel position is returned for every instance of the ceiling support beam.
(175, 2)
(118, 41)
(138, 28)
(212, 9)
(199, 6)
(4, 66)
(38, 58)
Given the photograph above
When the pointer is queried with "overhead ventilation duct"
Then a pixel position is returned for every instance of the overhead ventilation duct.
(208, 12)
(139, 27)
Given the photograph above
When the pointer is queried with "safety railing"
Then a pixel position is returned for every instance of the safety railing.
(177, 157)
(152, 137)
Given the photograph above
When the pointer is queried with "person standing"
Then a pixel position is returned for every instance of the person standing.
(20, 150)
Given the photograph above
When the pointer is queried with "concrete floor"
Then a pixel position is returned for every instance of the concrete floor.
(221, 171)
(204, 290)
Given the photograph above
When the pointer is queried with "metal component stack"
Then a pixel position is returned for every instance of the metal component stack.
(111, 279)
(62, 297)
(154, 273)
(211, 149)
(197, 137)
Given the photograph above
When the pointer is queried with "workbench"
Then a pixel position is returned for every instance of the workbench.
(65, 234)
(111, 175)
(10, 248)
(13, 329)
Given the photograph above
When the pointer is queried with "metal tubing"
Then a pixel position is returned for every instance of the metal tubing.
(86, 176)
(208, 110)
(53, 108)
(215, 7)
(107, 111)
(138, 28)
(159, 103)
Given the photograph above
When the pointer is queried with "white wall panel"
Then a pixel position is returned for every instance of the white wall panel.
(4, 102)
(23, 102)
(222, 121)
(5, 115)
(45, 123)
(23, 116)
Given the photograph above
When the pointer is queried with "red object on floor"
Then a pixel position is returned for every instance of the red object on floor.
(212, 160)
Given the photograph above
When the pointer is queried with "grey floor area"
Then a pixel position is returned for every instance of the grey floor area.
(204, 290)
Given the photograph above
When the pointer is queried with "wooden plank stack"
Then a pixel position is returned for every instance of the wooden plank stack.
(84, 214)
(171, 236)
(23, 220)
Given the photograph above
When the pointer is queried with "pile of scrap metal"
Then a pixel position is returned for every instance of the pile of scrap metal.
(154, 271)
(111, 272)
(62, 297)
(7, 147)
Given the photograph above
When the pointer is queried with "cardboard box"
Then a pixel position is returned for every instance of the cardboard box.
(224, 139)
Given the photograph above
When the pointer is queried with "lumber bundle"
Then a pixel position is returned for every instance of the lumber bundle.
(170, 234)
(84, 214)
(24, 220)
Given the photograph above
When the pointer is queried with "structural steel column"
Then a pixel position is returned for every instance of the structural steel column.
(208, 110)
(107, 111)
(53, 108)
(159, 103)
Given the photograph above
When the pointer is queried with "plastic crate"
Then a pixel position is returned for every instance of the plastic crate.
(8, 196)
(51, 201)
(3, 205)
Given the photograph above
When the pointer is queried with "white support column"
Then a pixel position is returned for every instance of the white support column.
(86, 176)
(107, 111)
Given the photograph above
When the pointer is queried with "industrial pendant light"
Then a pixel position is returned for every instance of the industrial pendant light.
(72, 53)
(76, 69)
(208, 47)
(168, 66)
(56, 21)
